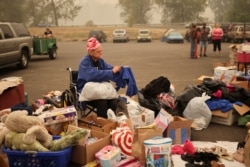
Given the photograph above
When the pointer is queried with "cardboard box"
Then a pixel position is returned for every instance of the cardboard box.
(179, 130)
(240, 81)
(230, 117)
(225, 74)
(221, 64)
(97, 123)
(82, 153)
(11, 96)
(58, 115)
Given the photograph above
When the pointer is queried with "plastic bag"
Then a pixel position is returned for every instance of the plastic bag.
(198, 111)
(98, 90)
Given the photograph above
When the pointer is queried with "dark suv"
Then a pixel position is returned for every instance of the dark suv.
(16, 45)
(99, 35)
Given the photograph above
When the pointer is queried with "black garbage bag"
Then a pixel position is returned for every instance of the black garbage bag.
(150, 103)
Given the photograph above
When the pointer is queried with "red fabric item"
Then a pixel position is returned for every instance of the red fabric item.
(177, 149)
(217, 94)
(188, 147)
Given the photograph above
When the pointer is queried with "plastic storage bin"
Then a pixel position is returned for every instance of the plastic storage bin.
(243, 57)
(243, 54)
(38, 159)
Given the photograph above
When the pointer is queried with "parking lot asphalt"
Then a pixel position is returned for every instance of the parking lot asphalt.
(147, 60)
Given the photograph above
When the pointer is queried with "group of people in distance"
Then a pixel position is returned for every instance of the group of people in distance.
(199, 37)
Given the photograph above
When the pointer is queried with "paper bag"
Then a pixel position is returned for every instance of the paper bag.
(141, 134)
(247, 150)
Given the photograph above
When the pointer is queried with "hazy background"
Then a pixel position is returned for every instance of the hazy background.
(106, 12)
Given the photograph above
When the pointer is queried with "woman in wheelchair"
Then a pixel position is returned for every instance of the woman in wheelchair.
(93, 68)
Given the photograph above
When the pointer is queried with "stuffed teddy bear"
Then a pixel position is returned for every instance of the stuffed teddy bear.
(19, 121)
(27, 133)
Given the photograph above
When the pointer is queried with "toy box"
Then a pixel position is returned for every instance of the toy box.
(108, 156)
(58, 115)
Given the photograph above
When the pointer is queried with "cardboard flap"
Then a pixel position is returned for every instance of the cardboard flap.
(241, 109)
(180, 122)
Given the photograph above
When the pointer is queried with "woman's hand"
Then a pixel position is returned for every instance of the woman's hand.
(116, 69)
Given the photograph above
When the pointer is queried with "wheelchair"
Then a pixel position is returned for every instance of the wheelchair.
(82, 108)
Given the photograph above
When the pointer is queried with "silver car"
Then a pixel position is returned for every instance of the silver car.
(120, 35)
(143, 35)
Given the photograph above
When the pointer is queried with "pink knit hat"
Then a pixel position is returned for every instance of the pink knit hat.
(92, 43)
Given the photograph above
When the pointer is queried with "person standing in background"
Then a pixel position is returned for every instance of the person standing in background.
(197, 41)
(217, 34)
(193, 38)
(204, 40)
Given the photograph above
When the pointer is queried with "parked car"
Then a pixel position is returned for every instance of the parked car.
(120, 35)
(164, 36)
(144, 35)
(174, 37)
(239, 33)
(99, 35)
(16, 45)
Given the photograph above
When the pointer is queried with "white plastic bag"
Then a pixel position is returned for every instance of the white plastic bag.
(198, 111)
(98, 90)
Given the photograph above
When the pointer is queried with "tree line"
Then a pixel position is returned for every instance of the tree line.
(33, 12)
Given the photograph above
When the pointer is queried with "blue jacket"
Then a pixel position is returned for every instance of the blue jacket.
(126, 78)
(87, 72)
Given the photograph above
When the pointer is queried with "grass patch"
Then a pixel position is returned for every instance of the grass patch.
(78, 33)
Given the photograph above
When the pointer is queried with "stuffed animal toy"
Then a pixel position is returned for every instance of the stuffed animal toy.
(70, 139)
(3, 133)
(19, 121)
(38, 133)
(26, 132)
(15, 141)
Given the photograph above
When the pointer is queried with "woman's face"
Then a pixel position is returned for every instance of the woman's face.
(96, 53)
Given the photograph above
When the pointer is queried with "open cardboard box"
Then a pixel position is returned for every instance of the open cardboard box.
(84, 153)
(97, 123)
(179, 130)
(230, 117)
(240, 81)
(221, 64)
